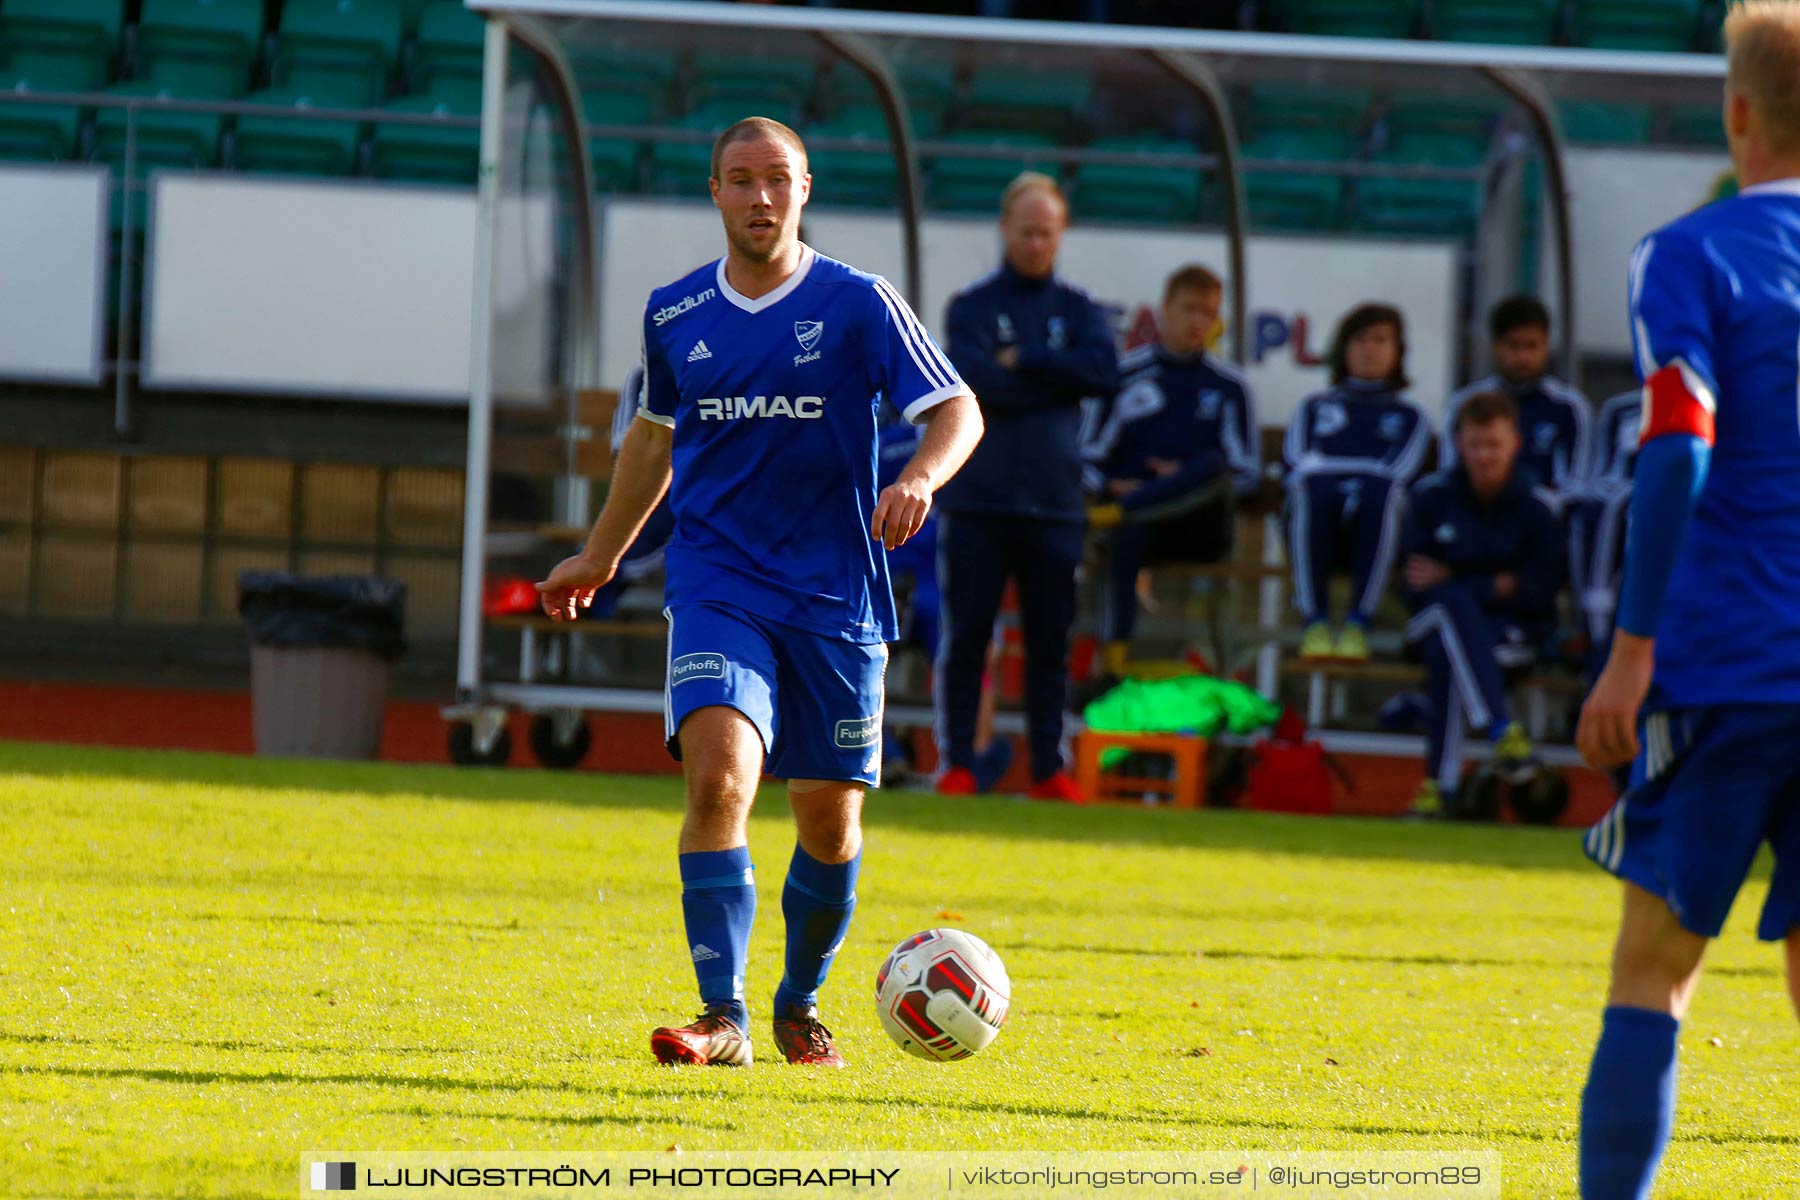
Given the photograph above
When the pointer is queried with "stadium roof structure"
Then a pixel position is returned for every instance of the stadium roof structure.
(1200, 76)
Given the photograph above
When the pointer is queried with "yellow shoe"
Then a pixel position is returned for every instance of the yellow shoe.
(1316, 642)
(1352, 644)
(1514, 756)
(1105, 516)
(1428, 801)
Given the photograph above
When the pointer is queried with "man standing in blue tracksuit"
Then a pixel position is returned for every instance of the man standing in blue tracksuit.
(1484, 558)
(1033, 348)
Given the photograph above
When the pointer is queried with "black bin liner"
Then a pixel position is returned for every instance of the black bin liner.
(362, 612)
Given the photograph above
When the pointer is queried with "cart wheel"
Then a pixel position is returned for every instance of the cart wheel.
(560, 741)
(464, 753)
(1542, 799)
(1480, 798)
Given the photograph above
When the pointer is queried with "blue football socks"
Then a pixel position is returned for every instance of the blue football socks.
(1629, 1104)
(718, 902)
(817, 902)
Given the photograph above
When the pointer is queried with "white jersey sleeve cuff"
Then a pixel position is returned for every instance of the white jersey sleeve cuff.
(931, 400)
(658, 418)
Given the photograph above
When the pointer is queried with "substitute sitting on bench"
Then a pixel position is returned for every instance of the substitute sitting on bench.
(1484, 557)
(1178, 444)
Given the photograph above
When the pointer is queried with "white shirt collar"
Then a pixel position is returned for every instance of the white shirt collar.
(1783, 187)
(775, 297)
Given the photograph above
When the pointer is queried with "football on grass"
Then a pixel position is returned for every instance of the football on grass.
(942, 994)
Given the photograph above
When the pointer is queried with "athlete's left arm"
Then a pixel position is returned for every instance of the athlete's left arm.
(952, 428)
(1672, 325)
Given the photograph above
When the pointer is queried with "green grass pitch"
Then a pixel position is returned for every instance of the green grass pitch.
(210, 964)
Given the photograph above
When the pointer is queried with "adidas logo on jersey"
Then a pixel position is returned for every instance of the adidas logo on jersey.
(731, 408)
(705, 953)
(699, 351)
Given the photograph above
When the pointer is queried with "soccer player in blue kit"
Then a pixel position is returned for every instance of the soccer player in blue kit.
(1701, 692)
(763, 374)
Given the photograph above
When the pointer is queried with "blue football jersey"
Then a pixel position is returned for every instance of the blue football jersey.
(1716, 296)
(773, 402)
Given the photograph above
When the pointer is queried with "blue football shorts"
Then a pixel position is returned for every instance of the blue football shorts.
(1708, 788)
(815, 700)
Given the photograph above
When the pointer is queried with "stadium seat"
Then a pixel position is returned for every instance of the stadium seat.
(180, 40)
(854, 177)
(37, 132)
(1604, 122)
(755, 84)
(1352, 18)
(163, 138)
(1139, 191)
(927, 85)
(616, 159)
(1275, 107)
(85, 33)
(449, 44)
(1697, 125)
(1668, 25)
(440, 154)
(975, 184)
(647, 69)
(1442, 207)
(345, 49)
(1026, 100)
(287, 145)
(1292, 200)
(1497, 22)
(1468, 116)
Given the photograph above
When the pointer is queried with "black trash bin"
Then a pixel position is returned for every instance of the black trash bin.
(319, 655)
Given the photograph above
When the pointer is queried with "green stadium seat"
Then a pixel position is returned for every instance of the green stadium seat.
(646, 69)
(1292, 200)
(1352, 18)
(616, 159)
(1605, 122)
(1472, 118)
(439, 154)
(1274, 107)
(84, 32)
(1026, 100)
(342, 48)
(927, 85)
(36, 132)
(854, 177)
(1698, 125)
(975, 184)
(180, 40)
(1139, 191)
(288, 145)
(450, 42)
(682, 168)
(1440, 207)
(1667, 25)
(756, 84)
(1497, 22)
(163, 138)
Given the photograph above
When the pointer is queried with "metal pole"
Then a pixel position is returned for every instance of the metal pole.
(127, 281)
(481, 382)
(1530, 94)
(863, 55)
(1193, 72)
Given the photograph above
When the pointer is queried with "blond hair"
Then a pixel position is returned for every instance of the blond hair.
(1762, 54)
(1031, 181)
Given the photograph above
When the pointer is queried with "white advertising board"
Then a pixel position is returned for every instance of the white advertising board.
(53, 260)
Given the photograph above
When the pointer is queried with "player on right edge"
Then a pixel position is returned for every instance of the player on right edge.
(1701, 693)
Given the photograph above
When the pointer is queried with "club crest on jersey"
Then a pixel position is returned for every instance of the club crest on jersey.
(1392, 425)
(1543, 437)
(733, 408)
(1058, 335)
(808, 333)
(1209, 405)
(1329, 418)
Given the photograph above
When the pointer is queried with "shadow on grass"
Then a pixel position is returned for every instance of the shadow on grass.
(1421, 960)
(995, 817)
(565, 1120)
(435, 1083)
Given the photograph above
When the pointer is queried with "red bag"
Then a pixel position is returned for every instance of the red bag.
(1289, 773)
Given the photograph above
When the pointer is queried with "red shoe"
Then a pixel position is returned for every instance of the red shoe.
(804, 1041)
(711, 1039)
(1058, 787)
(957, 781)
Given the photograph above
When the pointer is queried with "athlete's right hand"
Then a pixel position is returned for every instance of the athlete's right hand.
(571, 586)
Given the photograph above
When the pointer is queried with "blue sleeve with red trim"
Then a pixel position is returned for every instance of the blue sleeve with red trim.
(1672, 285)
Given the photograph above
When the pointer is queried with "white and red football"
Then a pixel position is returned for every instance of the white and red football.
(942, 994)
